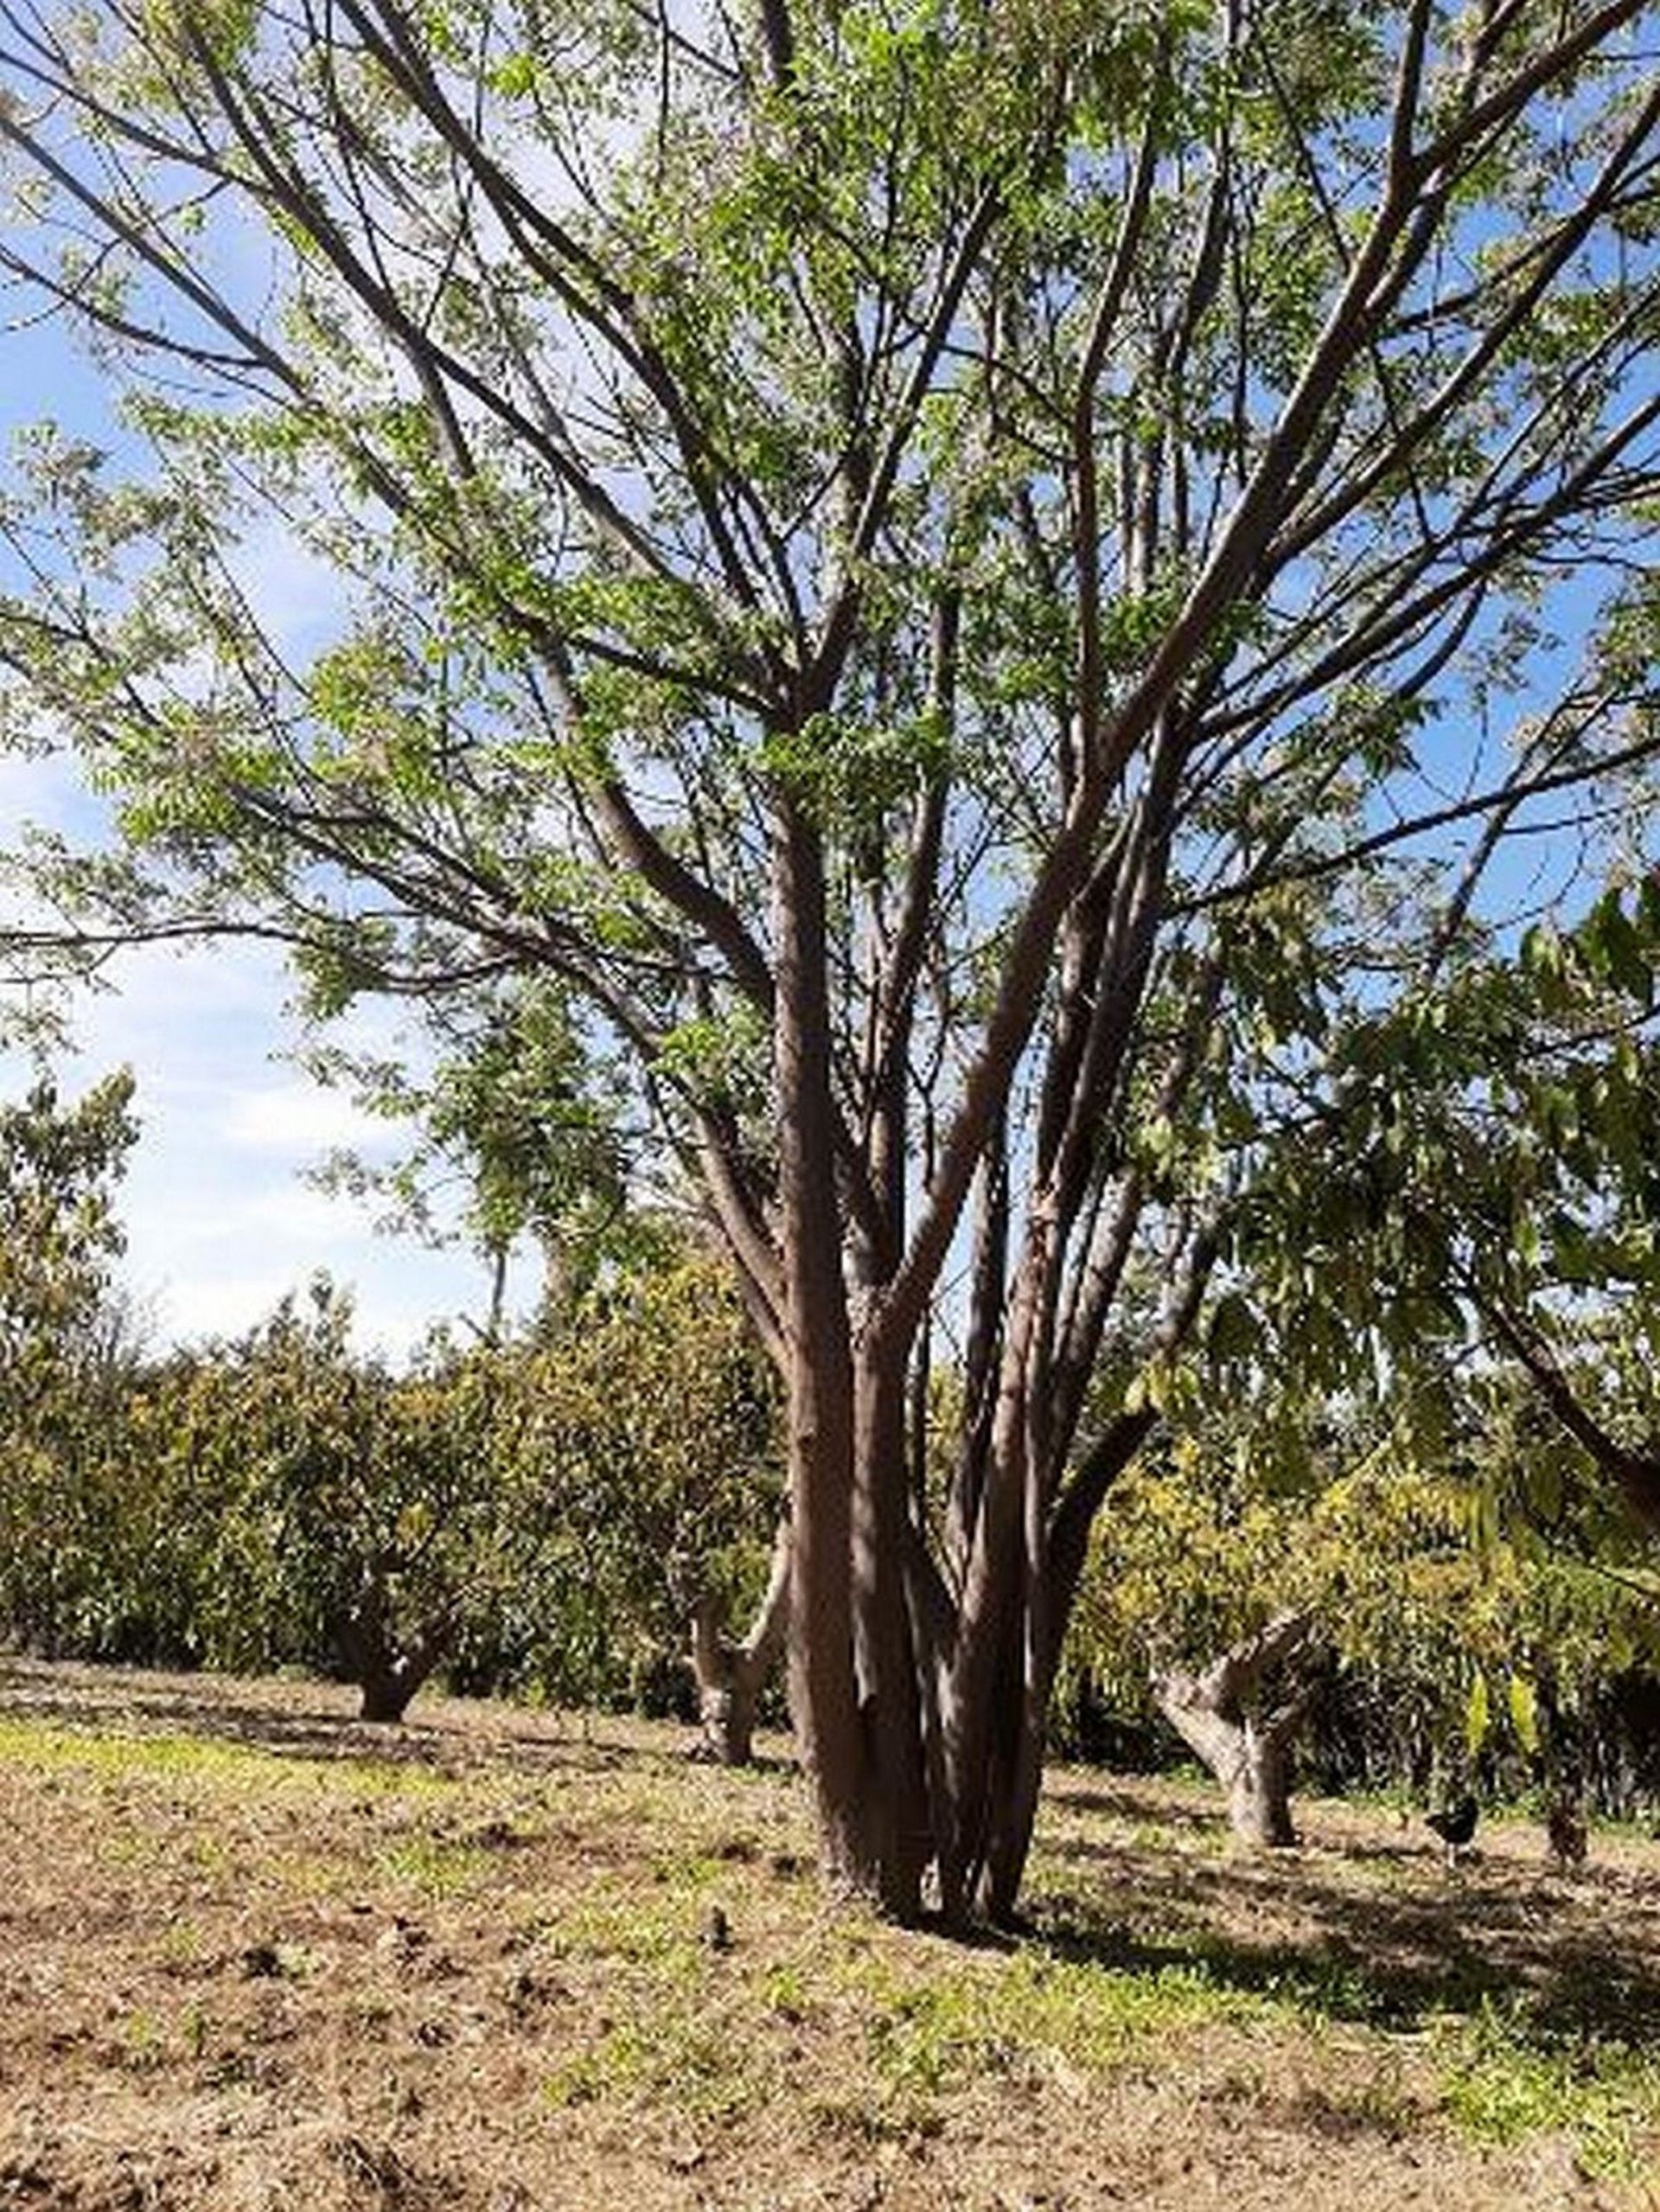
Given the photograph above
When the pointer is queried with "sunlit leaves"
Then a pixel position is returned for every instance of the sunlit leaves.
(1478, 1715)
(1522, 1696)
(59, 1162)
(516, 1111)
(1449, 1640)
(61, 1339)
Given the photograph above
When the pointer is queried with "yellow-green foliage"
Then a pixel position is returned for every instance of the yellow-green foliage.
(1448, 1621)
(549, 1511)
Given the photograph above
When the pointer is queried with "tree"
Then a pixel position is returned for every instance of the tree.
(1241, 1715)
(1488, 1157)
(1368, 1609)
(347, 1517)
(652, 1390)
(514, 1113)
(543, 1513)
(731, 1674)
(61, 1340)
(1197, 1596)
(927, 562)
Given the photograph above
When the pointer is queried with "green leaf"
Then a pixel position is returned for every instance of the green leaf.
(1524, 1711)
(1478, 1715)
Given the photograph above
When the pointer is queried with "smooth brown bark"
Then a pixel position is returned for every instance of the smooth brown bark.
(818, 1377)
(899, 1834)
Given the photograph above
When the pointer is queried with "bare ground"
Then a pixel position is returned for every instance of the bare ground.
(256, 1957)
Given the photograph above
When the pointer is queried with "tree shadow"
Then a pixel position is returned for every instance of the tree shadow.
(317, 1721)
(1557, 1963)
(1110, 1801)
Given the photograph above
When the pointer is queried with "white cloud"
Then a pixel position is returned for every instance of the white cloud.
(220, 1221)
(298, 597)
(301, 1118)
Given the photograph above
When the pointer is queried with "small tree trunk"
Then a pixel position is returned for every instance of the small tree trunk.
(1220, 1716)
(388, 1688)
(387, 1673)
(1259, 1797)
(385, 1694)
(731, 1677)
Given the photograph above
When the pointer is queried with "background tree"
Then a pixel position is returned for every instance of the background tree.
(1437, 1637)
(659, 1373)
(540, 1515)
(517, 1140)
(355, 1518)
(1241, 1715)
(908, 556)
(63, 1347)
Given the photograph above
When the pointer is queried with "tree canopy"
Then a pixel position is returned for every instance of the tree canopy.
(61, 1333)
(968, 580)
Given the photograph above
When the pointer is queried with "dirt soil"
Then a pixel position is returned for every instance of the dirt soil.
(255, 1957)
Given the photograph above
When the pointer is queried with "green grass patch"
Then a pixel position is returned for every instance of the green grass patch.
(693, 2060)
(434, 1867)
(928, 2033)
(1505, 2082)
(52, 1748)
(245, 1769)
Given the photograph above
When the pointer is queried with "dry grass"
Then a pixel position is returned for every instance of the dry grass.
(254, 1957)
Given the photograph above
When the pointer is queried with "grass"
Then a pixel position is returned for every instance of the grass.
(1503, 2083)
(254, 1956)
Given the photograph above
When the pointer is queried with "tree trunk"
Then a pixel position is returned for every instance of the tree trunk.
(899, 1828)
(919, 1694)
(1221, 1716)
(387, 1671)
(385, 1694)
(1259, 1797)
(731, 1677)
(830, 1708)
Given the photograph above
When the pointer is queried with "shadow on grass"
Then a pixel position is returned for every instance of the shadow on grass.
(1109, 1801)
(1509, 1941)
(312, 1725)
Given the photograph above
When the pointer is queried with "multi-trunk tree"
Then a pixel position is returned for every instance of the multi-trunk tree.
(927, 561)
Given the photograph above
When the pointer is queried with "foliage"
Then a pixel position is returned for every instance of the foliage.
(516, 1113)
(326, 1492)
(646, 1422)
(1481, 1187)
(58, 1162)
(61, 1349)
(540, 1515)
(933, 568)
(1451, 1637)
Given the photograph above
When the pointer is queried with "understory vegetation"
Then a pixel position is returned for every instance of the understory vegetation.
(255, 1954)
(545, 1514)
